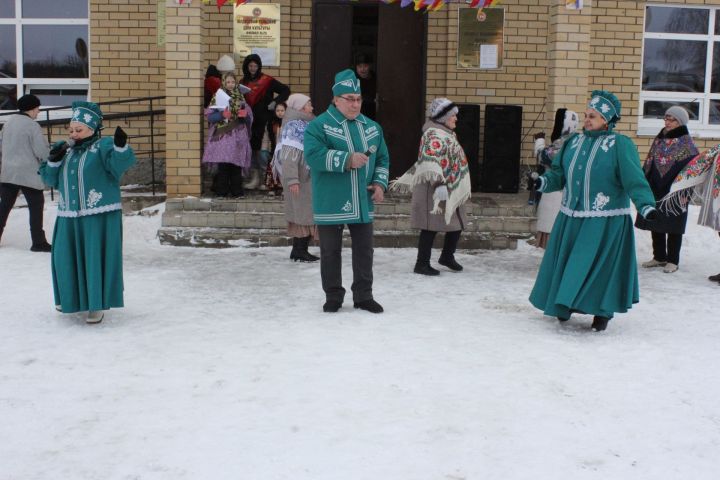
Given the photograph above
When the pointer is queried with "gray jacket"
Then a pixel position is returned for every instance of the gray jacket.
(23, 149)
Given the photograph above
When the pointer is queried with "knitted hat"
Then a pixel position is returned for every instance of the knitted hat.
(28, 102)
(346, 82)
(679, 114)
(607, 105)
(297, 101)
(441, 109)
(226, 64)
(87, 113)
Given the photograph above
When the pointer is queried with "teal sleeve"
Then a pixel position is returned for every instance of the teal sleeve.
(318, 156)
(632, 177)
(50, 171)
(382, 164)
(116, 160)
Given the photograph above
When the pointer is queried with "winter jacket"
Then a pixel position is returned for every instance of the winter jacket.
(264, 91)
(600, 172)
(88, 177)
(340, 194)
(23, 149)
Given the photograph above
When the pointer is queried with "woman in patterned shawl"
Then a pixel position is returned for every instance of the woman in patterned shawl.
(670, 152)
(290, 164)
(228, 144)
(440, 183)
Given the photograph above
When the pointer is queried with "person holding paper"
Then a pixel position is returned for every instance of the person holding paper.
(228, 144)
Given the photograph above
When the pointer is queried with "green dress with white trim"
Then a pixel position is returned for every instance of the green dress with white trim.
(86, 255)
(590, 264)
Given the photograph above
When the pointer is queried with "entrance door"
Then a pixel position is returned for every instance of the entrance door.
(399, 67)
(401, 83)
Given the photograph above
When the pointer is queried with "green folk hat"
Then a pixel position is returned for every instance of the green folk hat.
(607, 105)
(346, 82)
(87, 113)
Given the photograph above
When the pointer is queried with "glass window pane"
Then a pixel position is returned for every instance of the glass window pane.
(55, 51)
(55, 9)
(674, 65)
(7, 8)
(677, 20)
(717, 22)
(8, 97)
(58, 97)
(657, 108)
(8, 65)
(715, 77)
(715, 112)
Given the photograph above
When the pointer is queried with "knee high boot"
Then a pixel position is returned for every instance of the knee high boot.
(300, 250)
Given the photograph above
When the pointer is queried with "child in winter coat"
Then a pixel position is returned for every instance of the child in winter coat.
(228, 144)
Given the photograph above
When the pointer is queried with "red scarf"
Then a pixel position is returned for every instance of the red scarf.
(259, 88)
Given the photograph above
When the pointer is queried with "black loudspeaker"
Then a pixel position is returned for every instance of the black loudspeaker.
(501, 149)
(468, 134)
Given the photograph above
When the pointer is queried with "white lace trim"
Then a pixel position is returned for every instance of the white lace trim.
(89, 211)
(595, 213)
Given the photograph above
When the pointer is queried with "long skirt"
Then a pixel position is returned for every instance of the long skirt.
(87, 271)
(589, 267)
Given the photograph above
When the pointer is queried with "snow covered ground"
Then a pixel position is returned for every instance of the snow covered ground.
(223, 366)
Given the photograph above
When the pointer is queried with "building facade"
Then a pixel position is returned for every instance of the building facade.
(651, 54)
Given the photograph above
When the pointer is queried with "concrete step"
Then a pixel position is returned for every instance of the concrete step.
(493, 222)
(276, 237)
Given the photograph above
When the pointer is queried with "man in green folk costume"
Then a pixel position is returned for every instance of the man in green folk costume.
(590, 266)
(349, 168)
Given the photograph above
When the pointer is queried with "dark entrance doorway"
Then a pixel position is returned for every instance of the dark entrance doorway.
(395, 39)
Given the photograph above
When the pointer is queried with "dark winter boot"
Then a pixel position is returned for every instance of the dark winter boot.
(300, 251)
(447, 257)
(599, 323)
(712, 278)
(424, 268)
(39, 244)
(304, 244)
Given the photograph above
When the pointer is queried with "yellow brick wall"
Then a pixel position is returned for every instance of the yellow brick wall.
(126, 62)
(616, 57)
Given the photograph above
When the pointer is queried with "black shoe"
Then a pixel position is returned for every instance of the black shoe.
(41, 247)
(563, 319)
(303, 257)
(370, 305)
(714, 278)
(599, 323)
(425, 269)
(451, 264)
(332, 306)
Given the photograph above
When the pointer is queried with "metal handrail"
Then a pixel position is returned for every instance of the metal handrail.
(150, 111)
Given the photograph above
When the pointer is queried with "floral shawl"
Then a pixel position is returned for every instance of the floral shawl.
(441, 160)
(292, 134)
(237, 101)
(669, 149)
(701, 177)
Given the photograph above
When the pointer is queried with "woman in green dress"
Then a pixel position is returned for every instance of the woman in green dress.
(87, 241)
(590, 266)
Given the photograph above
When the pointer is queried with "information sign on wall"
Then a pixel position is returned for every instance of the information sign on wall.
(257, 30)
(480, 40)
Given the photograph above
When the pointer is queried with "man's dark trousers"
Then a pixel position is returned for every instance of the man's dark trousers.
(362, 261)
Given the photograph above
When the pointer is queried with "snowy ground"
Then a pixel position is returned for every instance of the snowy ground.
(222, 366)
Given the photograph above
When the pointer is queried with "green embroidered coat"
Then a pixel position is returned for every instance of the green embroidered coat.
(600, 172)
(88, 177)
(340, 195)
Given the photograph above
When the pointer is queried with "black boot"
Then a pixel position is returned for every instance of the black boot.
(422, 264)
(424, 268)
(447, 257)
(39, 244)
(300, 252)
(304, 244)
(599, 323)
